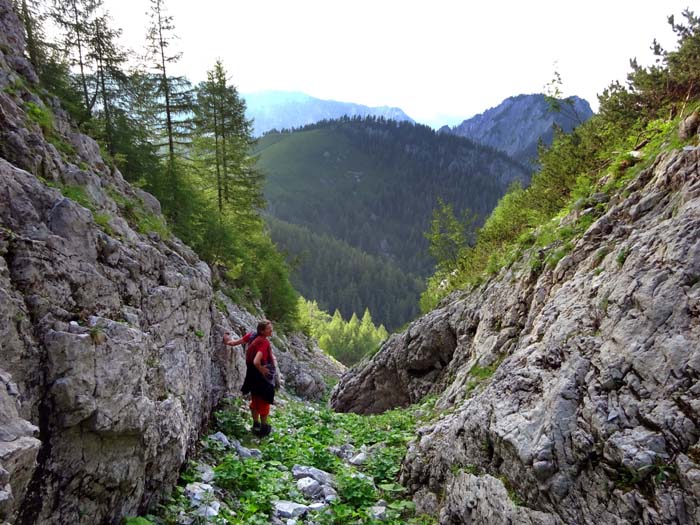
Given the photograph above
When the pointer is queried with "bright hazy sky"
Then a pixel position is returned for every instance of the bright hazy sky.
(441, 61)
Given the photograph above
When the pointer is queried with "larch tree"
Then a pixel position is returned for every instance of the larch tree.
(32, 16)
(222, 125)
(173, 94)
(76, 19)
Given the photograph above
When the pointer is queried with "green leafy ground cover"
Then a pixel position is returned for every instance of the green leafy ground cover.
(302, 435)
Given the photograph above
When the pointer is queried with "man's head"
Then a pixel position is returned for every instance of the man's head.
(265, 328)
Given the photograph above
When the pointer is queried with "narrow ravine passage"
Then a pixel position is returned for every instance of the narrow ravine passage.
(317, 467)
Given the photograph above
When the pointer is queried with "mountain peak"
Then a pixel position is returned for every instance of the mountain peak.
(517, 124)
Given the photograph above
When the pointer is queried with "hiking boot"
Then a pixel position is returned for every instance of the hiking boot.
(265, 430)
(256, 427)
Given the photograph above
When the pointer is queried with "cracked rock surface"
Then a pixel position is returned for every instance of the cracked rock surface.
(587, 407)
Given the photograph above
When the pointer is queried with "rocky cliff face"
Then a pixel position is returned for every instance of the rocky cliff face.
(568, 395)
(518, 124)
(110, 340)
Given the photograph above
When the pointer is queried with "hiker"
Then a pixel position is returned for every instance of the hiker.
(262, 376)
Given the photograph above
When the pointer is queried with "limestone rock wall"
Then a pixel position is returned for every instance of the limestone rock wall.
(568, 395)
(111, 354)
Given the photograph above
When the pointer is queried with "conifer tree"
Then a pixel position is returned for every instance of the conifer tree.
(32, 17)
(109, 76)
(448, 236)
(173, 97)
(76, 18)
(226, 137)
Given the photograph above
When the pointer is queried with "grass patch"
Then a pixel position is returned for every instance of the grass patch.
(557, 255)
(40, 115)
(97, 335)
(480, 374)
(138, 218)
(102, 220)
(512, 494)
(646, 479)
(61, 145)
(600, 255)
(604, 302)
(622, 256)
(15, 87)
(150, 223)
(77, 194)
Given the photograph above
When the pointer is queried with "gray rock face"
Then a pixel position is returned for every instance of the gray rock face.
(18, 448)
(118, 403)
(518, 123)
(689, 126)
(305, 367)
(584, 406)
(412, 368)
(484, 499)
(111, 350)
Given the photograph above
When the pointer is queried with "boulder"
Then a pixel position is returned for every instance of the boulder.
(288, 509)
(323, 477)
(689, 126)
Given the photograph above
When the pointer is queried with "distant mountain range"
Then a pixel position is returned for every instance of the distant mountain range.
(518, 123)
(290, 109)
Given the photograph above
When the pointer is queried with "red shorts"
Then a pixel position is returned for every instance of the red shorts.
(259, 405)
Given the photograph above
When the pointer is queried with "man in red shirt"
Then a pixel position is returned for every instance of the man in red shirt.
(261, 375)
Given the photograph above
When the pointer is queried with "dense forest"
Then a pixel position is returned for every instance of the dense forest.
(341, 277)
(189, 145)
(374, 183)
(635, 122)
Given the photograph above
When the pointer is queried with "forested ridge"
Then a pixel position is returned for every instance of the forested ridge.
(373, 184)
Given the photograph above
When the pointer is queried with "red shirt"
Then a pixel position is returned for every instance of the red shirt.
(259, 344)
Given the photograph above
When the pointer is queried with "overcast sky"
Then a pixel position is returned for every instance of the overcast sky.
(441, 61)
